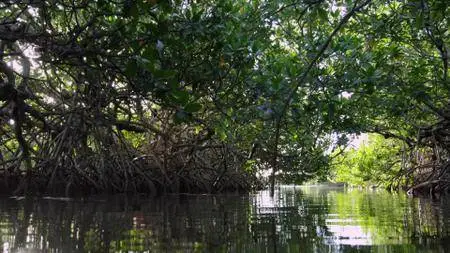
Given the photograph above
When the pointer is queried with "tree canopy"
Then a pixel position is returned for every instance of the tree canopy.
(149, 95)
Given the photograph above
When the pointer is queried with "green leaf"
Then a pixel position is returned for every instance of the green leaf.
(131, 10)
(221, 133)
(181, 116)
(197, 15)
(419, 21)
(180, 97)
(249, 165)
(165, 74)
(150, 53)
(323, 14)
(193, 107)
(276, 83)
(131, 68)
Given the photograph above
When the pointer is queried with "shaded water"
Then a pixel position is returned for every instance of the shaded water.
(301, 219)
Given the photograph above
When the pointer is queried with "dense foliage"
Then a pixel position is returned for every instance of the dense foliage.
(374, 162)
(136, 95)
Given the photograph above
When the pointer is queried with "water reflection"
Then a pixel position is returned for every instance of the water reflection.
(306, 219)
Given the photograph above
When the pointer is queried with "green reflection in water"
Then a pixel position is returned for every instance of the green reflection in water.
(387, 218)
(297, 219)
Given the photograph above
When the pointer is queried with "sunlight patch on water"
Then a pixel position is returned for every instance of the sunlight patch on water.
(349, 235)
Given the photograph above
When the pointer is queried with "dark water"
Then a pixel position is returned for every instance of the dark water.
(306, 219)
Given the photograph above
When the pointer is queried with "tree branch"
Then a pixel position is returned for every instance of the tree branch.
(303, 78)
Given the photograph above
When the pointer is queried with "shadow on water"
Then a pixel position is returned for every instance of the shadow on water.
(296, 219)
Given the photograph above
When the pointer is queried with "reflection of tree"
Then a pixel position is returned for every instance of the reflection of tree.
(291, 218)
(292, 221)
(164, 224)
(428, 219)
(389, 222)
(391, 218)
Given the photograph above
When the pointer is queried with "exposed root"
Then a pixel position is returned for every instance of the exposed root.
(428, 167)
(193, 163)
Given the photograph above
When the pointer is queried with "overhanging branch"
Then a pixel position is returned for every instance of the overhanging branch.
(303, 78)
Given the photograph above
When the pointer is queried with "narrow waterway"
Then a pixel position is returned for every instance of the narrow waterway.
(297, 219)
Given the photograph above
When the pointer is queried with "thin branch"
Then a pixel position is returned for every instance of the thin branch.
(303, 78)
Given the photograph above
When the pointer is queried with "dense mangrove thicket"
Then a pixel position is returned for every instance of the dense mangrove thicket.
(212, 96)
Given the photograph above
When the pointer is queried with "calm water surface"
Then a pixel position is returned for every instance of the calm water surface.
(301, 219)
